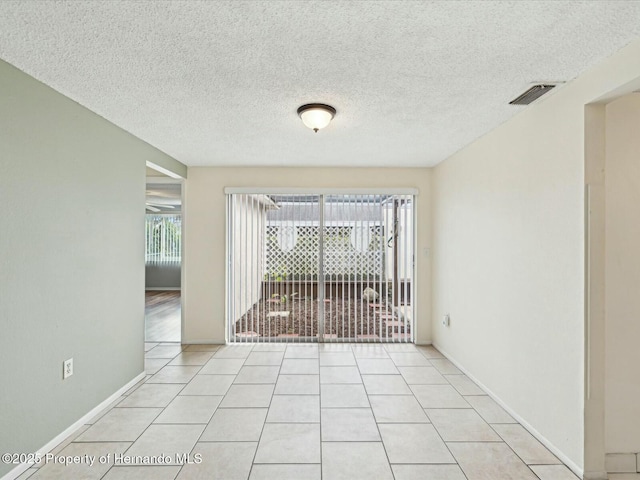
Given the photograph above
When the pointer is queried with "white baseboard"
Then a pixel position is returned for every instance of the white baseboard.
(162, 289)
(214, 341)
(223, 342)
(555, 450)
(20, 469)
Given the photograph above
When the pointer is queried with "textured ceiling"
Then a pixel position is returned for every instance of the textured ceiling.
(218, 83)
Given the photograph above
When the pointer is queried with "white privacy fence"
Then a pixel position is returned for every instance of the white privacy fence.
(349, 250)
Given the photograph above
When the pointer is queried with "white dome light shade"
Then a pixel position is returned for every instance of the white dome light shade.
(316, 115)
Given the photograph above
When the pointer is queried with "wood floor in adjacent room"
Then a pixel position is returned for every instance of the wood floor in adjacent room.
(162, 316)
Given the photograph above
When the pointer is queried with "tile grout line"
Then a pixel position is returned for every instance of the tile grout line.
(264, 424)
(489, 424)
(163, 409)
(516, 453)
(351, 351)
(320, 415)
(434, 427)
(384, 447)
(142, 433)
(214, 412)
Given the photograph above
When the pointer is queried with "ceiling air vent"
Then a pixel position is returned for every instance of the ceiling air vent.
(532, 94)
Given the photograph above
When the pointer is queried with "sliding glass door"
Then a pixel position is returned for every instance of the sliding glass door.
(327, 267)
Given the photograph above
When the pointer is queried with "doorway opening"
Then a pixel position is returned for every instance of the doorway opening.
(320, 267)
(163, 260)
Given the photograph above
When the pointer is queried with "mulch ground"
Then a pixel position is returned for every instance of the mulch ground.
(343, 318)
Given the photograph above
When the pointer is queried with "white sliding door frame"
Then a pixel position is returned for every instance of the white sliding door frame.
(250, 295)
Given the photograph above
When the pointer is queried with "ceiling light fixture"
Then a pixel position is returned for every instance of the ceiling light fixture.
(316, 115)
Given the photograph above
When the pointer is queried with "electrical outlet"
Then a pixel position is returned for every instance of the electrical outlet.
(67, 368)
(446, 320)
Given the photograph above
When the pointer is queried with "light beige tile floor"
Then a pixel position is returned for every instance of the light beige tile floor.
(349, 425)
(305, 412)
(191, 358)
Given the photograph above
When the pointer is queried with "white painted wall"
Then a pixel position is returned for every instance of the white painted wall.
(71, 260)
(161, 276)
(508, 262)
(204, 210)
(622, 181)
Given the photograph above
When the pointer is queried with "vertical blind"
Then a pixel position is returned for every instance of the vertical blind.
(329, 267)
(163, 238)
